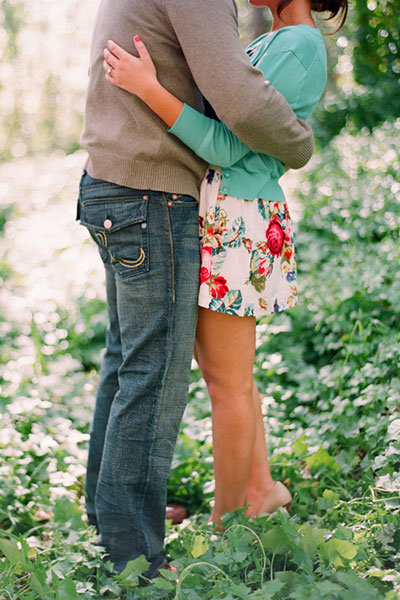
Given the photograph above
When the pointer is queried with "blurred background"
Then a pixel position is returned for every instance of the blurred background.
(327, 370)
(44, 49)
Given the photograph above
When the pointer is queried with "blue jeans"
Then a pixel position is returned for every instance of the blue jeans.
(149, 244)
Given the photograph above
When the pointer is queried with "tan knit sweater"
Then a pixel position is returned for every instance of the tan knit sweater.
(196, 49)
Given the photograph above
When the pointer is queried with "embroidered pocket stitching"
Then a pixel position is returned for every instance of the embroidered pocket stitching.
(129, 264)
(102, 237)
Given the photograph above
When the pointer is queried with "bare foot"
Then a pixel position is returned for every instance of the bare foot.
(256, 500)
(279, 496)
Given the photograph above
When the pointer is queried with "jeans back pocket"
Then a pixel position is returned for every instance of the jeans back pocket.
(118, 225)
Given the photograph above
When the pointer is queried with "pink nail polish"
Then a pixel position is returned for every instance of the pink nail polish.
(137, 38)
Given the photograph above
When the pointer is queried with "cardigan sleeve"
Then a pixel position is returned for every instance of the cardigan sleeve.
(209, 139)
(212, 140)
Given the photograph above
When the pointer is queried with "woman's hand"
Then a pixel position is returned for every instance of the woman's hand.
(138, 76)
(135, 75)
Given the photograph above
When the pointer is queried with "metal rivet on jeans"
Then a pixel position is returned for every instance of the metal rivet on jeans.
(174, 197)
(145, 197)
(144, 225)
(169, 203)
(107, 224)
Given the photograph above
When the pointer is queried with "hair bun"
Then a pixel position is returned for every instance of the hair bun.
(334, 7)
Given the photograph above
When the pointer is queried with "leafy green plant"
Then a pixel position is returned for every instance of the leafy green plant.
(328, 374)
(372, 47)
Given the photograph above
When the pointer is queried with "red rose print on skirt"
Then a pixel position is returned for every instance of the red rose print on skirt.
(275, 236)
(206, 264)
(218, 287)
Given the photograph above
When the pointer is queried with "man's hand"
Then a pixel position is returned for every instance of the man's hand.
(135, 75)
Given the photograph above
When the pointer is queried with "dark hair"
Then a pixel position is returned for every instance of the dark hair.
(335, 7)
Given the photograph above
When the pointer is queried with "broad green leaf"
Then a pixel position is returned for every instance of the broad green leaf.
(65, 510)
(274, 586)
(357, 586)
(379, 573)
(299, 446)
(200, 545)
(328, 589)
(302, 593)
(11, 551)
(275, 541)
(134, 568)
(335, 548)
(168, 574)
(239, 590)
(240, 555)
(303, 559)
(112, 587)
(322, 460)
(222, 558)
(163, 584)
(67, 590)
(344, 533)
(310, 539)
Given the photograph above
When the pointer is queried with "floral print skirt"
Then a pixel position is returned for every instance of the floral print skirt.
(248, 263)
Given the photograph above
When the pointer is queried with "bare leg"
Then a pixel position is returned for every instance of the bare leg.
(225, 348)
(260, 481)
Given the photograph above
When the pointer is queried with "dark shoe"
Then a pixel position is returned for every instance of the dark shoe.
(176, 513)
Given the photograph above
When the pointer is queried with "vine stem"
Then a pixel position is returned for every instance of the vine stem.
(187, 569)
(258, 540)
(360, 500)
(272, 567)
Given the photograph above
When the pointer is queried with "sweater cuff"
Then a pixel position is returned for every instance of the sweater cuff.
(190, 127)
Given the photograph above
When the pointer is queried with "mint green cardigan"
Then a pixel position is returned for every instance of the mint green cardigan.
(294, 61)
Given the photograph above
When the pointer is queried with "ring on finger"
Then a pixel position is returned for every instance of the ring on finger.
(109, 70)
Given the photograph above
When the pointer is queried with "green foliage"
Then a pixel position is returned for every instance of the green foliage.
(328, 371)
(377, 44)
(373, 47)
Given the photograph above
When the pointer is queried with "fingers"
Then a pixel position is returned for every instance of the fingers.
(108, 71)
(141, 48)
(115, 49)
(110, 58)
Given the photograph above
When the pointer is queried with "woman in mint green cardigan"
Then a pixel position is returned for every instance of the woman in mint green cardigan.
(248, 258)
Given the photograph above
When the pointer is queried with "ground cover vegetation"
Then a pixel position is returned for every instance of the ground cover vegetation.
(368, 51)
(328, 372)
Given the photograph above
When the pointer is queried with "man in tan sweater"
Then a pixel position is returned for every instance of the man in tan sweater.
(138, 199)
